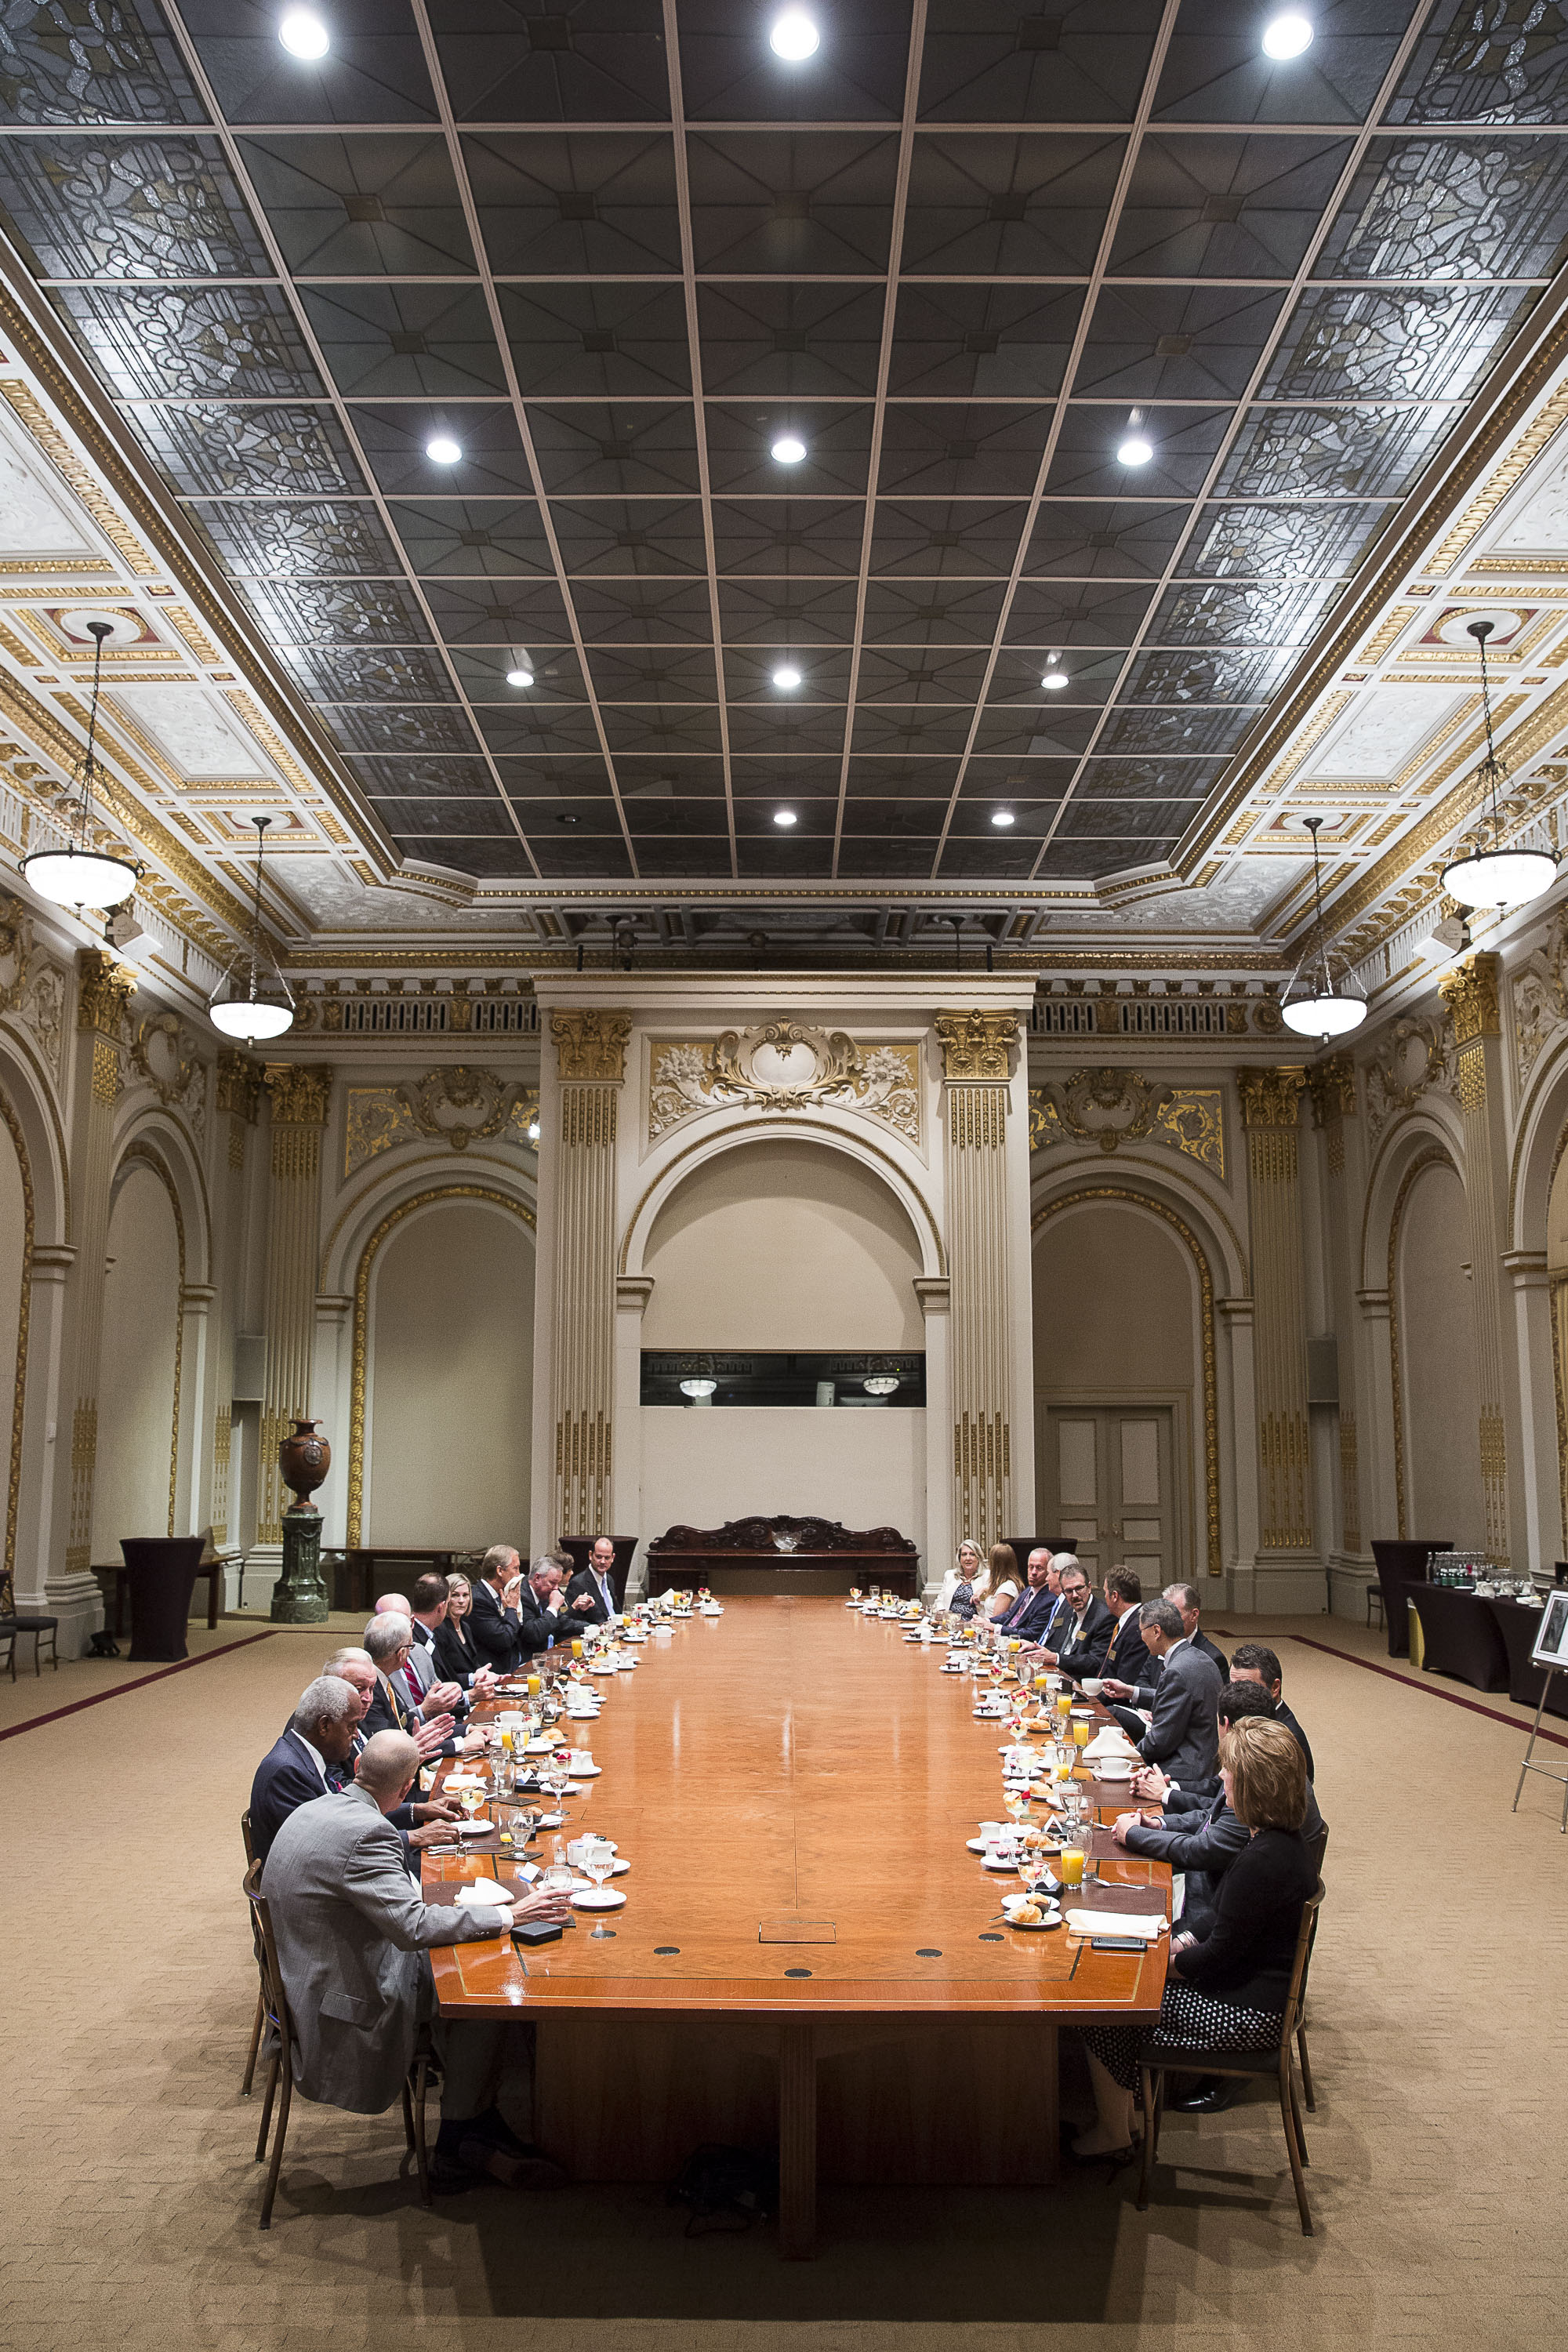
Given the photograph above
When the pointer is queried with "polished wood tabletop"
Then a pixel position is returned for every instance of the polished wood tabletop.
(792, 1770)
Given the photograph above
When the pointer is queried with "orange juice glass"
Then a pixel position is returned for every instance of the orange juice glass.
(535, 1685)
(1071, 1864)
(1080, 1736)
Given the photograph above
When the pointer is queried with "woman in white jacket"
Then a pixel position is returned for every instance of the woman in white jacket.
(965, 1587)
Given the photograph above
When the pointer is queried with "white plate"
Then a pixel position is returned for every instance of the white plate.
(621, 1868)
(995, 1863)
(587, 1771)
(599, 1898)
(1053, 1918)
(477, 1827)
(537, 1746)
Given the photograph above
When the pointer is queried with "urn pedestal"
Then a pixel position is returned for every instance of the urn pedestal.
(300, 1597)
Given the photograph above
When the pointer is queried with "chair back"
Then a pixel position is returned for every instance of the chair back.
(1317, 1848)
(1306, 1936)
(277, 1998)
(249, 1840)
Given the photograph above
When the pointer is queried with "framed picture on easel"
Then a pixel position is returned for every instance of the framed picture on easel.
(1551, 1647)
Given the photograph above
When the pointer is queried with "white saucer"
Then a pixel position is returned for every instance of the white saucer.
(599, 1898)
(1010, 1866)
(537, 1746)
(587, 1771)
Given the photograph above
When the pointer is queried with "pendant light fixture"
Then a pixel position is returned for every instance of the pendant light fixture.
(260, 1004)
(1492, 875)
(1314, 1006)
(78, 875)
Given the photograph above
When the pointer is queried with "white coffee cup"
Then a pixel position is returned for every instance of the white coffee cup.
(1113, 1767)
(1092, 1687)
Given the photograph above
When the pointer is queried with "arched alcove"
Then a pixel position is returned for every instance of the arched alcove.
(783, 1245)
(140, 1367)
(1437, 1456)
(1122, 1385)
(444, 1376)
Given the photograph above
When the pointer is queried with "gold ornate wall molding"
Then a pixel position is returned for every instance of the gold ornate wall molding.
(591, 1044)
(240, 1084)
(1331, 1086)
(977, 1046)
(1110, 1108)
(784, 1065)
(359, 1378)
(165, 1054)
(104, 990)
(24, 1317)
(1538, 994)
(32, 986)
(1413, 1057)
(455, 1105)
(1470, 991)
(1271, 1098)
(1179, 1226)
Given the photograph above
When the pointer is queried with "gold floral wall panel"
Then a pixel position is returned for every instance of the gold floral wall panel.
(785, 1066)
(1110, 1108)
(455, 1106)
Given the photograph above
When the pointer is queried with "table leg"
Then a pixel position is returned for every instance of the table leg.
(121, 1579)
(213, 1575)
(797, 2141)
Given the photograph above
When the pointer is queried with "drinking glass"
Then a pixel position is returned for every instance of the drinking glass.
(598, 1859)
(1069, 1867)
(1080, 1736)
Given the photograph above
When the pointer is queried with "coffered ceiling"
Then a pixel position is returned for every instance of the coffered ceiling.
(615, 251)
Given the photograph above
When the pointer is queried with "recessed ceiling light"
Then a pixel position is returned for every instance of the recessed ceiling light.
(794, 36)
(788, 450)
(1054, 679)
(1134, 451)
(442, 450)
(519, 677)
(788, 678)
(1002, 817)
(1287, 37)
(304, 34)
(786, 817)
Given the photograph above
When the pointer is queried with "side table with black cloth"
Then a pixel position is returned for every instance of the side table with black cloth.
(163, 1578)
(1398, 1565)
(1460, 1636)
(1518, 1626)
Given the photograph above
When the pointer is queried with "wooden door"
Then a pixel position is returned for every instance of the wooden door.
(1108, 1489)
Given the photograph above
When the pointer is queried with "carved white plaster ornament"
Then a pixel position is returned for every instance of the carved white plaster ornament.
(783, 1066)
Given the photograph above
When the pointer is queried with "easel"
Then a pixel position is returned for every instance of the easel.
(1544, 1769)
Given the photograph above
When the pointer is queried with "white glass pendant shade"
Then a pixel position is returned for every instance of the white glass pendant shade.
(258, 1005)
(80, 878)
(251, 1017)
(1499, 877)
(1327, 1015)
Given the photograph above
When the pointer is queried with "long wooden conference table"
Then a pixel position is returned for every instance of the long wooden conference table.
(808, 1954)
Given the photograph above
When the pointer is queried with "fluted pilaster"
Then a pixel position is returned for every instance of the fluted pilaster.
(1270, 1101)
(1470, 993)
(591, 1059)
(300, 1098)
(104, 990)
(977, 1049)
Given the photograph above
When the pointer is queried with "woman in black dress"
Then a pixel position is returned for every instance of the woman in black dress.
(1227, 1981)
(457, 1658)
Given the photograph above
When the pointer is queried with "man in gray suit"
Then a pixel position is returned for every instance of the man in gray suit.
(351, 1933)
(1182, 1736)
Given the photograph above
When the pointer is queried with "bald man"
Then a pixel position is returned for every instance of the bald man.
(352, 1934)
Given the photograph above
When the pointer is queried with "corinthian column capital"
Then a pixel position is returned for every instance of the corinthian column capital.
(1470, 993)
(1270, 1097)
(590, 1044)
(977, 1046)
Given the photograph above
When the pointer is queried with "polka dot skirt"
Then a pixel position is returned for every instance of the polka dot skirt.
(1189, 2021)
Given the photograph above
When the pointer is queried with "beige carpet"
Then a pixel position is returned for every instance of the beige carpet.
(130, 2197)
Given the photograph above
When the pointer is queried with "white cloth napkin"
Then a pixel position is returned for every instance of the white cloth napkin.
(484, 1895)
(1116, 1923)
(1110, 1740)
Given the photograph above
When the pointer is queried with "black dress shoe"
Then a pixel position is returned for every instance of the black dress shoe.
(1209, 2095)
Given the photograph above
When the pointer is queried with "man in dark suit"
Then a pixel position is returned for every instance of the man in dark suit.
(1181, 1735)
(388, 1641)
(315, 1758)
(1125, 1654)
(1186, 1600)
(542, 1618)
(591, 1595)
(1083, 1646)
(1253, 1662)
(1036, 1605)
(492, 1621)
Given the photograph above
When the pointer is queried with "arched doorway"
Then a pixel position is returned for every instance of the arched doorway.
(1436, 1450)
(141, 1367)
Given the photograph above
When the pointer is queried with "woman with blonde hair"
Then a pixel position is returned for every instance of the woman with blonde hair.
(1228, 1980)
(458, 1659)
(964, 1589)
(1002, 1575)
